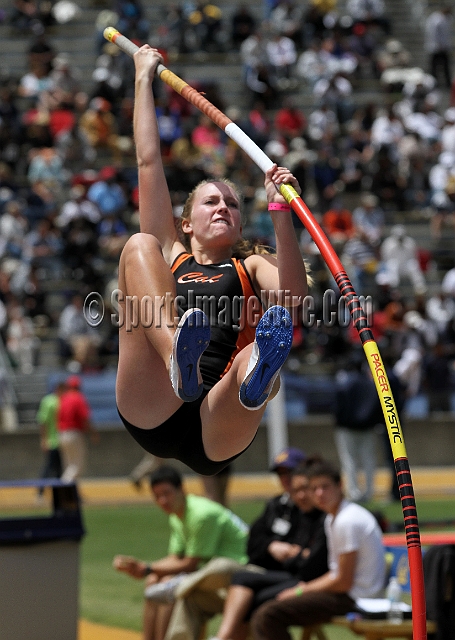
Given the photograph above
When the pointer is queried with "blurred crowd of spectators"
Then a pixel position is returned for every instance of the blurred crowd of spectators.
(68, 184)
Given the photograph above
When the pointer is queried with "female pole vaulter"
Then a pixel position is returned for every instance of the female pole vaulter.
(196, 388)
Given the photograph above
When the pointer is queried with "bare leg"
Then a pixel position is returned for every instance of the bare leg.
(156, 620)
(144, 392)
(236, 607)
(227, 426)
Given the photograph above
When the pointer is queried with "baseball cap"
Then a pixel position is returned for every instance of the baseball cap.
(74, 382)
(289, 458)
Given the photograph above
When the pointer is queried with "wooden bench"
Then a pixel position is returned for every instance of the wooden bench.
(380, 629)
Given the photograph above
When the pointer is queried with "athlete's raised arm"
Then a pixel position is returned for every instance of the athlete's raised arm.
(155, 209)
(286, 270)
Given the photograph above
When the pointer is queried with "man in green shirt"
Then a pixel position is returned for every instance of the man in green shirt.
(200, 531)
(46, 418)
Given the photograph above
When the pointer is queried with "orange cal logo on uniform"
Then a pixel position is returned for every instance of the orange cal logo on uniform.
(198, 276)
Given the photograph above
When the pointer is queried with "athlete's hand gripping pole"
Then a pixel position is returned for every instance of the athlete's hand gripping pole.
(360, 322)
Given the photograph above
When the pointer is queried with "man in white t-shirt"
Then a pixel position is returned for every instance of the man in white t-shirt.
(356, 564)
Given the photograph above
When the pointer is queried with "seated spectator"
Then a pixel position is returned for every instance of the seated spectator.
(387, 130)
(281, 57)
(74, 150)
(243, 25)
(201, 530)
(112, 236)
(334, 92)
(361, 263)
(169, 126)
(337, 223)
(22, 344)
(369, 12)
(260, 83)
(439, 175)
(425, 121)
(287, 18)
(399, 258)
(257, 125)
(356, 564)
(326, 171)
(107, 194)
(78, 339)
(13, 228)
(392, 55)
(322, 121)
(440, 309)
(25, 13)
(43, 247)
(206, 135)
(66, 83)
(253, 51)
(279, 521)
(132, 21)
(314, 17)
(46, 167)
(318, 62)
(41, 51)
(369, 218)
(448, 283)
(290, 122)
(417, 184)
(260, 227)
(78, 206)
(206, 21)
(98, 126)
(448, 131)
(80, 246)
(35, 81)
(354, 162)
(176, 29)
(305, 559)
(314, 63)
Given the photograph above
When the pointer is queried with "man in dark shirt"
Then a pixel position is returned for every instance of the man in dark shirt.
(280, 518)
(304, 559)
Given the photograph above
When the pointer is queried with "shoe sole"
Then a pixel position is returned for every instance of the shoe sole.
(272, 345)
(191, 339)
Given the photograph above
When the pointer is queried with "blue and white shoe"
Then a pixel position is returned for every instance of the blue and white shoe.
(191, 339)
(270, 349)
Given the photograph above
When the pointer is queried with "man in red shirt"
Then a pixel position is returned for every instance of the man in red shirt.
(73, 421)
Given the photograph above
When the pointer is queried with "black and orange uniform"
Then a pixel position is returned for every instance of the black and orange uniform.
(225, 293)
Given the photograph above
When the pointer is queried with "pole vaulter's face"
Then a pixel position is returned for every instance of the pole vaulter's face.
(215, 218)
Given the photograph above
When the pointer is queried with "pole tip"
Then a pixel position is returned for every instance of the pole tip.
(110, 33)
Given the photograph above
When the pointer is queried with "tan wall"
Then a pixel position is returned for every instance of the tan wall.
(428, 444)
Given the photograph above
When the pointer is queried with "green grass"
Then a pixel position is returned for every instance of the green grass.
(115, 599)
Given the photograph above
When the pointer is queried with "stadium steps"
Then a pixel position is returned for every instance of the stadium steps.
(77, 38)
(29, 390)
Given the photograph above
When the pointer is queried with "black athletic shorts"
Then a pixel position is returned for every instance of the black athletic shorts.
(180, 437)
